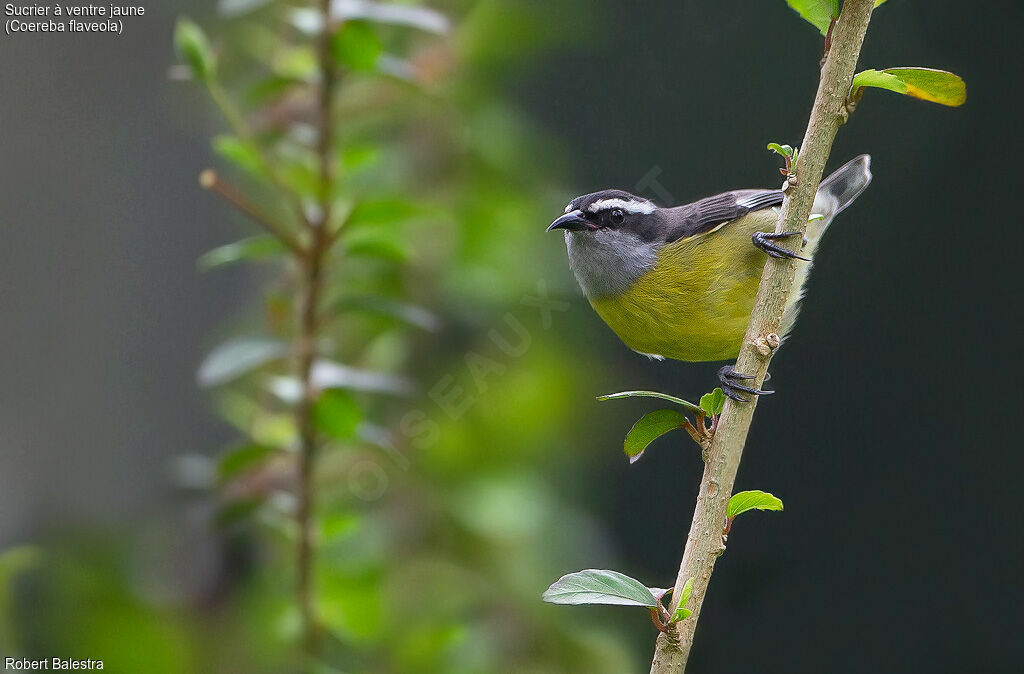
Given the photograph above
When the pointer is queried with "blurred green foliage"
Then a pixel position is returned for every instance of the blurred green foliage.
(438, 529)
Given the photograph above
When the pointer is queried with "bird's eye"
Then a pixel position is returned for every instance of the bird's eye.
(617, 216)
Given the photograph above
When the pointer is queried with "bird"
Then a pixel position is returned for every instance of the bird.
(680, 282)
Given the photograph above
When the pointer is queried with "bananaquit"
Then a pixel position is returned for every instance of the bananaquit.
(680, 282)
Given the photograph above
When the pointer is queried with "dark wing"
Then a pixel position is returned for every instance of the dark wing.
(704, 215)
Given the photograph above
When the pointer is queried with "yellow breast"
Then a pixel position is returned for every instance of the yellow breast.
(695, 303)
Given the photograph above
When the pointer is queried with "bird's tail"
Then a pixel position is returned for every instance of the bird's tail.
(835, 193)
(840, 189)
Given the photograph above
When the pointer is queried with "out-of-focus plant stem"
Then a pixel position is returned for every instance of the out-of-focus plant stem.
(705, 543)
(306, 342)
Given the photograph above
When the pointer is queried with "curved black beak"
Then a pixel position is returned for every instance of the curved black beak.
(572, 221)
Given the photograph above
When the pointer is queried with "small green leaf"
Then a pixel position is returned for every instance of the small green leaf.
(684, 598)
(928, 84)
(397, 14)
(235, 8)
(878, 2)
(336, 414)
(819, 13)
(255, 248)
(193, 48)
(650, 394)
(238, 356)
(385, 306)
(338, 525)
(682, 613)
(327, 374)
(784, 150)
(713, 403)
(351, 603)
(298, 62)
(599, 586)
(752, 500)
(299, 171)
(240, 153)
(383, 246)
(240, 459)
(310, 20)
(356, 46)
(650, 427)
(937, 86)
(355, 157)
(269, 89)
(877, 78)
(384, 211)
(273, 430)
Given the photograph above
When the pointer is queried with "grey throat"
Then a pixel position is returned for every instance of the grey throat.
(607, 261)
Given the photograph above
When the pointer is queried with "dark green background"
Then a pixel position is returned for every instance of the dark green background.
(890, 437)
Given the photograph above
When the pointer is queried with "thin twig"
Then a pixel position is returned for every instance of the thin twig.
(305, 347)
(211, 180)
(704, 542)
(306, 353)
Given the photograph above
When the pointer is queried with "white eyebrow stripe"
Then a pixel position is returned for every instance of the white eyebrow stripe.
(568, 206)
(644, 207)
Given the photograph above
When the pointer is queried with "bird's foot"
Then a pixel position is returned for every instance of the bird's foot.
(733, 386)
(763, 241)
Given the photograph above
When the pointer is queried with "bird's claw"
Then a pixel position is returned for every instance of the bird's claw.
(763, 241)
(732, 386)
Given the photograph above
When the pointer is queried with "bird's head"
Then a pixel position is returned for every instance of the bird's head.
(610, 211)
(613, 238)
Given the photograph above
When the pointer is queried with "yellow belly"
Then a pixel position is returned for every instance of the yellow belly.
(696, 302)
